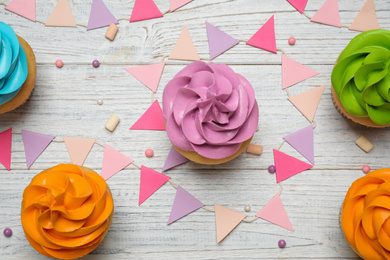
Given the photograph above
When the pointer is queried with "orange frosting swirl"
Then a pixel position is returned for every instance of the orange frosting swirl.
(66, 211)
(365, 215)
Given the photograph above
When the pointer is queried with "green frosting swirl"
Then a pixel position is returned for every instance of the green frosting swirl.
(361, 77)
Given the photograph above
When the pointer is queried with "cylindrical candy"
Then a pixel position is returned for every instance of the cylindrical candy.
(254, 149)
(111, 31)
(112, 122)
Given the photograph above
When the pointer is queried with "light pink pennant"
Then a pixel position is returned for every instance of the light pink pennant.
(219, 41)
(184, 48)
(328, 14)
(100, 16)
(34, 145)
(226, 220)
(5, 148)
(78, 148)
(113, 162)
(294, 72)
(298, 4)
(174, 159)
(302, 141)
(152, 119)
(144, 10)
(24, 8)
(151, 181)
(308, 101)
(275, 212)
(175, 4)
(264, 38)
(366, 18)
(287, 166)
(183, 205)
(62, 15)
(149, 75)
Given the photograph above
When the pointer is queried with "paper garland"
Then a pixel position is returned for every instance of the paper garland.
(152, 119)
(184, 48)
(5, 148)
(62, 15)
(24, 8)
(328, 14)
(144, 10)
(219, 41)
(100, 16)
(34, 145)
(264, 38)
(149, 75)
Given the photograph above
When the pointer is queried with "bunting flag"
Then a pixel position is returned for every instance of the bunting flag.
(219, 41)
(264, 38)
(24, 8)
(62, 15)
(175, 4)
(274, 212)
(308, 101)
(287, 166)
(226, 220)
(366, 18)
(144, 10)
(34, 145)
(113, 162)
(151, 181)
(302, 141)
(149, 75)
(298, 4)
(5, 148)
(294, 72)
(183, 205)
(78, 148)
(328, 14)
(100, 16)
(174, 159)
(184, 48)
(152, 119)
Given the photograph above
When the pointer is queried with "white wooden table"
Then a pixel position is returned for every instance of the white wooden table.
(64, 103)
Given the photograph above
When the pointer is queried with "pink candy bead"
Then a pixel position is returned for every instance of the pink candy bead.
(149, 153)
(59, 63)
(366, 169)
(291, 41)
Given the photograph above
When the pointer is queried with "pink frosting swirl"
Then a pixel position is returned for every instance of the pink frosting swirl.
(209, 109)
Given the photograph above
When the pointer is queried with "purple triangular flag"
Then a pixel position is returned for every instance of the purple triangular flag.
(34, 145)
(174, 159)
(100, 16)
(219, 41)
(302, 141)
(183, 205)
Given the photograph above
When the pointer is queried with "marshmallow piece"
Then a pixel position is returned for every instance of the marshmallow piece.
(364, 144)
(254, 149)
(111, 31)
(112, 122)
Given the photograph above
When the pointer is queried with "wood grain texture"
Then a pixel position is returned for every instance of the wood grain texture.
(64, 104)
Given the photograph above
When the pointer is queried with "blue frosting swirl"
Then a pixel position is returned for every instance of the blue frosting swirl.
(13, 64)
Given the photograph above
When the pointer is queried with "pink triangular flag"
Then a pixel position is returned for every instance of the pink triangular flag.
(34, 145)
(302, 141)
(183, 205)
(149, 75)
(100, 16)
(62, 15)
(294, 72)
(174, 159)
(78, 148)
(219, 41)
(24, 8)
(152, 119)
(308, 101)
(5, 148)
(150, 182)
(175, 4)
(287, 166)
(274, 212)
(184, 48)
(298, 4)
(144, 10)
(264, 38)
(328, 14)
(113, 162)
(226, 220)
(366, 18)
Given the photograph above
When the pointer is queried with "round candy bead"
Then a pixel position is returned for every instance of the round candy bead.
(100, 102)
(366, 169)
(59, 63)
(95, 63)
(291, 41)
(271, 169)
(282, 243)
(149, 153)
(7, 232)
(247, 208)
